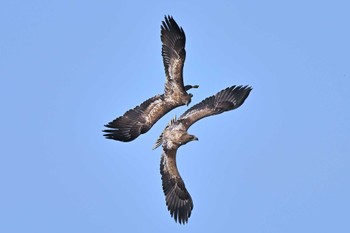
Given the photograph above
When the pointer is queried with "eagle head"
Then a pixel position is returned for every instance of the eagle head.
(185, 138)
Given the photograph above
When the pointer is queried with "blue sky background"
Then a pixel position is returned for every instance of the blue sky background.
(280, 163)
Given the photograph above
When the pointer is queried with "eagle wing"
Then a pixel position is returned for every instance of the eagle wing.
(225, 100)
(173, 53)
(138, 120)
(177, 198)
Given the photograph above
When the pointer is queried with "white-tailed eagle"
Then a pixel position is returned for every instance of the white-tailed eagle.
(175, 134)
(140, 119)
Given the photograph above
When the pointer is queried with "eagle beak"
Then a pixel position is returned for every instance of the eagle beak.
(195, 138)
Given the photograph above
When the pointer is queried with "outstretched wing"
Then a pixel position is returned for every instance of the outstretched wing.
(174, 54)
(138, 120)
(177, 198)
(225, 100)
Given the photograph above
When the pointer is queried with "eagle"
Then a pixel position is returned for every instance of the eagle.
(178, 200)
(140, 119)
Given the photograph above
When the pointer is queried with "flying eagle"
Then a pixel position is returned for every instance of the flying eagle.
(141, 119)
(175, 134)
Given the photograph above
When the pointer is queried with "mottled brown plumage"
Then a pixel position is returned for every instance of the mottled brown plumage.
(175, 134)
(140, 119)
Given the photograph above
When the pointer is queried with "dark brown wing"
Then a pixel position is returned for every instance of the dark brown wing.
(173, 52)
(225, 100)
(177, 198)
(138, 120)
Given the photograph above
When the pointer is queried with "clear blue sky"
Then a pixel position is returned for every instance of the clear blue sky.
(280, 163)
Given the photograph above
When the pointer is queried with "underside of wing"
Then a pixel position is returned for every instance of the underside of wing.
(177, 198)
(138, 120)
(225, 100)
(173, 52)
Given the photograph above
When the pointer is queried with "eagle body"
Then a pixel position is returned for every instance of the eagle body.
(175, 136)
